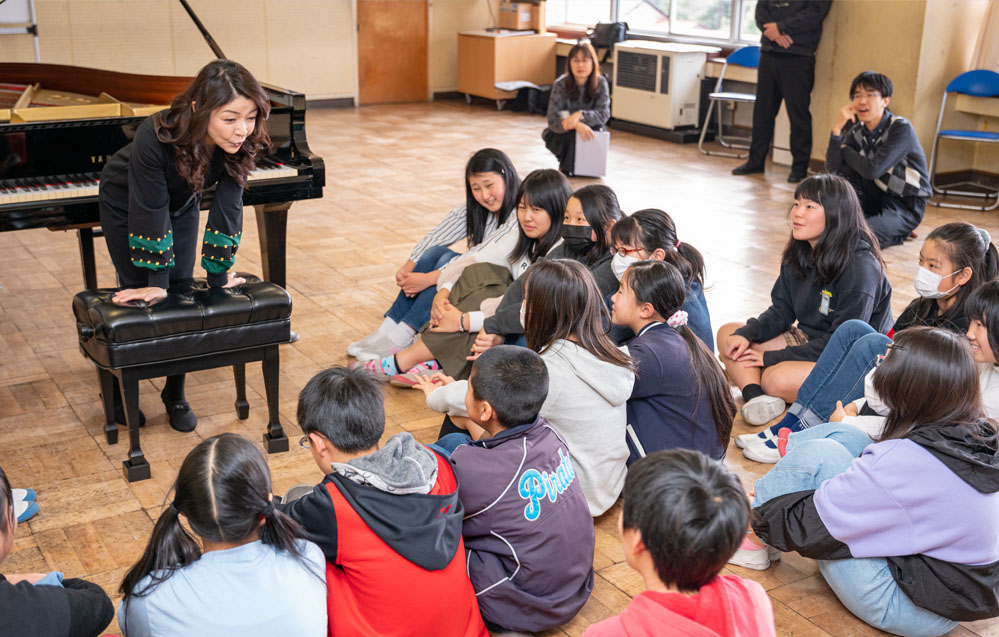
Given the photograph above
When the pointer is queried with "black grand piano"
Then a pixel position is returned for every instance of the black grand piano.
(57, 141)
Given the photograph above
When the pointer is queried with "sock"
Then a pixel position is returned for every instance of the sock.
(401, 335)
(790, 421)
(751, 391)
(390, 366)
(385, 327)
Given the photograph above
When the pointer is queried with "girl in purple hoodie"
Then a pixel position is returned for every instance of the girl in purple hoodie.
(905, 528)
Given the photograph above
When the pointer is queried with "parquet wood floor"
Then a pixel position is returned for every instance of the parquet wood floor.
(392, 171)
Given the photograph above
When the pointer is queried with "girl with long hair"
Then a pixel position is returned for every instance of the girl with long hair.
(150, 196)
(903, 528)
(681, 398)
(954, 261)
(491, 185)
(472, 286)
(250, 574)
(579, 103)
(831, 271)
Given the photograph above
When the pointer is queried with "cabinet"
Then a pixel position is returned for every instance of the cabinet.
(485, 58)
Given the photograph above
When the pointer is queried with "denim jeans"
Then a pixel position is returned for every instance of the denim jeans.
(415, 311)
(851, 352)
(864, 585)
(447, 444)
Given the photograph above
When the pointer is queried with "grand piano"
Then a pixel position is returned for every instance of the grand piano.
(56, 135)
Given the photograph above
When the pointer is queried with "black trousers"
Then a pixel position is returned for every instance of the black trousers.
(787, 78)
(563, 146)
(891, 218)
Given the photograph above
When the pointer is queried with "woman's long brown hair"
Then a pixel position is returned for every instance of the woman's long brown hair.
(592, 84)
(563, 302)
(185, 124)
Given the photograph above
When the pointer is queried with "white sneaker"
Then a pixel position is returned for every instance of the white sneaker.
(758, 558)
(362, 345)
(760, 452)
(762, 409)
(382, 348)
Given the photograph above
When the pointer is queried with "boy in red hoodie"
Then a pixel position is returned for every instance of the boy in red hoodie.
(684, 515)
(388, 519)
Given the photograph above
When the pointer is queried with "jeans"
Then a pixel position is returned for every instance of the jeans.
(415, 311)
(447, 444)
(864, 585)
(839, 373)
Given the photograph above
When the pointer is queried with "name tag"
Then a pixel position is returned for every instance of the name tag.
(824, 304)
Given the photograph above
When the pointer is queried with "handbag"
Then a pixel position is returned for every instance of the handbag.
(606, 34)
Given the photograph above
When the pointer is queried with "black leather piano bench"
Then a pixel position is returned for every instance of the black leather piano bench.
(193, 328)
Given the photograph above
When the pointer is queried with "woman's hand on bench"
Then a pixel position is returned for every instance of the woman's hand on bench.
(146, 295)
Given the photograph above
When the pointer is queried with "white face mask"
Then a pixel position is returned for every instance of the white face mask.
(873, 400)
(619, 264)
(927, 284)
(523, 314)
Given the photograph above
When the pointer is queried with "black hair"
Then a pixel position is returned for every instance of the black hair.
(872, 81)
(345, 406)
(488, 160)
(513, 380)
(691, 511)
(966, 247)
(983, 305)
(660, 283)
(652, 229)
(845, 230)
(223, 488)
(549, 190)
(6, 503)
(601, 209)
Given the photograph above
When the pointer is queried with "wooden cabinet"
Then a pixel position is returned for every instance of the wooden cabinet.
(485, 58)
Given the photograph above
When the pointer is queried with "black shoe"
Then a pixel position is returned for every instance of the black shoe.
(182, 418)
(747, 169)
(796, 176)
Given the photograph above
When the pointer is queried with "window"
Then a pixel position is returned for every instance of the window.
(645, 15)
(703, 18)
(582, 12)
(750, 32)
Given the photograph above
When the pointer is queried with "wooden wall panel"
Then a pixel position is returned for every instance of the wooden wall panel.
(392, 51)
(132, 36)
(311, 46)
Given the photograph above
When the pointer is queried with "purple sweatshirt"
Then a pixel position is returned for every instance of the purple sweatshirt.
(898, 499)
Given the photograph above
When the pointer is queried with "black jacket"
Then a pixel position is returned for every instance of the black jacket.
(76, 609)
(862, 292)
(960, 592)
(800, 19)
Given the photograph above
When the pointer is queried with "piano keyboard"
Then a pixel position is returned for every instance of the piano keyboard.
(17, 191)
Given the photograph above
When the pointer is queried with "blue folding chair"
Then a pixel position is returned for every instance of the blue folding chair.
(979, 83)
(748, 57)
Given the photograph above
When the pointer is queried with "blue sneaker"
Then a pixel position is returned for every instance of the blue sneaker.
(24, 494)
(24, 510)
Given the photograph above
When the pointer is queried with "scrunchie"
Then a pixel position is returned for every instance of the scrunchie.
(679, 319)
(173, 508)
(268, 510)
(677, 246)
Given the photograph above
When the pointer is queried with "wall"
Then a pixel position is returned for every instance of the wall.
(447, 19)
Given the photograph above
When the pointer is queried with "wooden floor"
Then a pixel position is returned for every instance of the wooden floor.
(391, 171)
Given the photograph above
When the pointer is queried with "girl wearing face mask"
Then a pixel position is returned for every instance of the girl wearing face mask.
(491, 184)
(579, 103)
(831, 272)
(472, 286)
(590, 214)
(955, 260)
(650, 234)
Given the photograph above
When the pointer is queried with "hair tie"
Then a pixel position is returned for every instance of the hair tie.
(173, 508)
(679, 319)
(677, 244)
(269, 509)
(985, 235)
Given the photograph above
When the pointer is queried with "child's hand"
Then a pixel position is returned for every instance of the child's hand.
(841, 412)
(426, 384)
(31, 578)
(484, 341)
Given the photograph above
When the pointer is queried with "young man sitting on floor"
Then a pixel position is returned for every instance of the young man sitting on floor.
(879, 153)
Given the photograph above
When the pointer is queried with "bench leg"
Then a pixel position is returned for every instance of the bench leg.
(107, 397)
(275, 439)
(136, 467)
(242, 407)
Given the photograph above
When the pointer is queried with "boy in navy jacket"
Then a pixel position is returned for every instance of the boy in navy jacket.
(527, 527)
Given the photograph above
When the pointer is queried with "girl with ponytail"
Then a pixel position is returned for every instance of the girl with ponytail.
(680, 398)
(251, 573)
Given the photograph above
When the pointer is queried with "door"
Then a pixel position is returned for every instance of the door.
(391, 51)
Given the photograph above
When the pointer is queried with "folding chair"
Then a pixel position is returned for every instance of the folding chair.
(979, 83)
(748, 57)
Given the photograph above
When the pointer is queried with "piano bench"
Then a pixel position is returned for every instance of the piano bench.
(193, 328)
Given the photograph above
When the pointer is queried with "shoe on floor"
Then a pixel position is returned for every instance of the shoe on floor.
(750, 555)
(379, 348)
(24, 510)
(744, 440)
(762, 409)
(410, 378)
(361, 345)
(376, 366)
(762, 451)
(796, 176)
(23, 494)
(747, 169)
(182, 418)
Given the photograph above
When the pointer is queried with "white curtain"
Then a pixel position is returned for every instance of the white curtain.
(987, 50)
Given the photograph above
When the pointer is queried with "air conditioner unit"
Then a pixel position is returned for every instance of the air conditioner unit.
(658, 84)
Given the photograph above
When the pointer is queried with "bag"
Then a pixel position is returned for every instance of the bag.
(607, 34)
(532, 100)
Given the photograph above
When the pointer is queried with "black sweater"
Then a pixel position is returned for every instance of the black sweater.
(862, 292)
(76, 609)
(800, 19)
(142, 182)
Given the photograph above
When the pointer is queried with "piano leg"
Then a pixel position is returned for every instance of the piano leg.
(86, 238)
(272, 226)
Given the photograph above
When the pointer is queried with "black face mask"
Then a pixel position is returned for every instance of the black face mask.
(577, 238)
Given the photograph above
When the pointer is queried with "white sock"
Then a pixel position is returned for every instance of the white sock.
(401, 335)
(385, 327)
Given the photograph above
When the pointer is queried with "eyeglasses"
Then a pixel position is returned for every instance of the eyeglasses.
(304, 442)
(896, 346)
(623, 252)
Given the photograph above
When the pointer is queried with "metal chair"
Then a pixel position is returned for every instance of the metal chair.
(748, 57)
(978, 83)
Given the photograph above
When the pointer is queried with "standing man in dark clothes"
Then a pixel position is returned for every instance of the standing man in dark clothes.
(791, 31)
(880, 154)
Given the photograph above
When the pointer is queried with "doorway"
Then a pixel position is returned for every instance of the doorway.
(392, 51)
